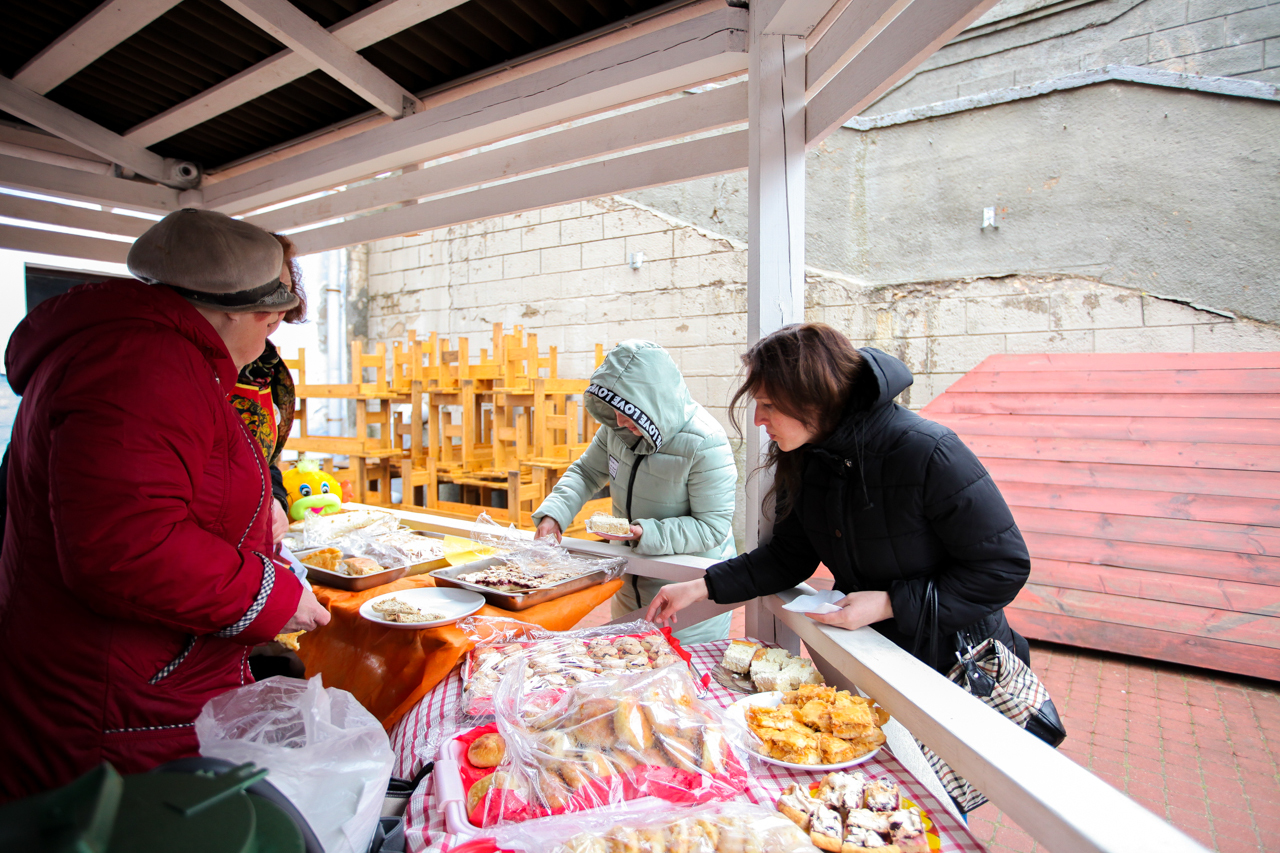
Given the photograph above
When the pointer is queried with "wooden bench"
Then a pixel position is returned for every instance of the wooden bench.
(1148, 489)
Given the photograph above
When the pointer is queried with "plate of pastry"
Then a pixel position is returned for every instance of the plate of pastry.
(425, 607)
(811, 727)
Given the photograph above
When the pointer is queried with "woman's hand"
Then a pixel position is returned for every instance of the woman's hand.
(673, 598)
(548, 527)
(857, 610)
(309, 615)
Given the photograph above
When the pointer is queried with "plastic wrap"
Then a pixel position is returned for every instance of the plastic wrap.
(540, 556)
(712, 828)
(604, 742)
(559, 660)
(319, 530)
(326, 753)
(391, 546)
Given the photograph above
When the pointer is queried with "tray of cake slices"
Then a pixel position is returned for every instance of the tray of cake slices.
(518, 581)
(557, 662)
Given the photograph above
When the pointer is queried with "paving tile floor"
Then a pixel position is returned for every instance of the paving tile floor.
(1201, 749)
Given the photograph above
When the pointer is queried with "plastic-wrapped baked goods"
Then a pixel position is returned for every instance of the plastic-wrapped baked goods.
(607, 741)
(557, 661)
(728, 828)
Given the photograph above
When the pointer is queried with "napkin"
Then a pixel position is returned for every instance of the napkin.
(821, 602)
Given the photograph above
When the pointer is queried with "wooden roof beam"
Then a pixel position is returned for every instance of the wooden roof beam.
(685, 161)
(362, 29)
(99, 31)
(792, 17)
(59, 181)
(684, 54)
(916, 33)
(67, 245)
(856, 26)
(71, 216)
(684, 116)
(56, 119)
(290, 25)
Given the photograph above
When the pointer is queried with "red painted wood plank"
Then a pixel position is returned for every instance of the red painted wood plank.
(1205, 429)
(1211, 536)
(1131, 361)
(1088, 403)
(1245, 484)
(1197, 562)
(1212, 654)
(1119, 381)
(1262, 599)
(1247, 628)
(1177, 454)
(1151, 504)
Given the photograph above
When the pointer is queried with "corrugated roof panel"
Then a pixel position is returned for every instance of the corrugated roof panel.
(200, 43)
(28, 28)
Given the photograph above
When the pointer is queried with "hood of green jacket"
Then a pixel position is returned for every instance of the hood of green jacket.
(639, 379)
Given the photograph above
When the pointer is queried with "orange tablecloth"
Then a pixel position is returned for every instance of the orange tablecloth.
(389, 669)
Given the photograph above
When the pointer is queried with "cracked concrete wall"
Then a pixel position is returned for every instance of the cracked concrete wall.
(563, 274)
(1019, 42)
(1165, 191)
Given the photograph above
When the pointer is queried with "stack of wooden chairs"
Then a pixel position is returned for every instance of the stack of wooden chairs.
(499, 421)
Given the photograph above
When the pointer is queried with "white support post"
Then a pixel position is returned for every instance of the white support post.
(775, 227)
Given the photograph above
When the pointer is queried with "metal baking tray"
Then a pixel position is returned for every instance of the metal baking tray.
(515, 600)
(353, 583)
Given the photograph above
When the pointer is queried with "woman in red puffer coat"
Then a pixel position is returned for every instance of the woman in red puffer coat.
(136, 571)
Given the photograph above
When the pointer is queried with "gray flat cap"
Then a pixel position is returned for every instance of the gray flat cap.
(213, 260)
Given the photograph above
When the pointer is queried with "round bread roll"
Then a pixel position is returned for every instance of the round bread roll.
(487, 750)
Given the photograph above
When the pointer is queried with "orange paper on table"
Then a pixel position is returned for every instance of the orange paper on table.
(390, 669)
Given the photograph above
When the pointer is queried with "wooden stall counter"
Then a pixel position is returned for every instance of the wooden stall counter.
(390, 669)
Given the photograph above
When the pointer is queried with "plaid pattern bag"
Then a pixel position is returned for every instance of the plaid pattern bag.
(994, 674)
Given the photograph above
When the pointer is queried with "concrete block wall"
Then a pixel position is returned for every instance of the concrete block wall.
(942, 330)
(564, 274)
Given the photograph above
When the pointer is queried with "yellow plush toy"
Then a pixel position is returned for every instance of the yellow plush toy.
(311, 490)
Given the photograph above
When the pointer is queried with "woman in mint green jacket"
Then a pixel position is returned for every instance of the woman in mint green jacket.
(668, 466)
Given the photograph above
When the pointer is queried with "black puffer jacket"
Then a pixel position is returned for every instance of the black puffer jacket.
(888, 502)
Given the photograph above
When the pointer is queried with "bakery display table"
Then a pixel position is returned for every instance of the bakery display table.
(390, 670)
(425, 824)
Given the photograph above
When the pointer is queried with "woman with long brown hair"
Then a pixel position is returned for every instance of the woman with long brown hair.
(886, 499)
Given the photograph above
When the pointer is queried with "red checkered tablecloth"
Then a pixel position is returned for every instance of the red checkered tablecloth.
(424, 824)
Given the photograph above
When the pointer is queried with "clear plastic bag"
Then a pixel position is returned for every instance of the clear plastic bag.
(326, 753)
(320, 530)
(559, 660)
(604, 742)
(391, 547)
(712, 828)
(540, 556)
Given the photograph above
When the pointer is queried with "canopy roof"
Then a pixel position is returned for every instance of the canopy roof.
(241, 105)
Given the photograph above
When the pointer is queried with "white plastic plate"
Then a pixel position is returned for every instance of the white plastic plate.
(452, 604)
(736, 718)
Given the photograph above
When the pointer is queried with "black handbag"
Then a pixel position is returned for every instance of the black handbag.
(990, 671)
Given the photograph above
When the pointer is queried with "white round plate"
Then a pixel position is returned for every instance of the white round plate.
(736, 718)
(453, 603)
